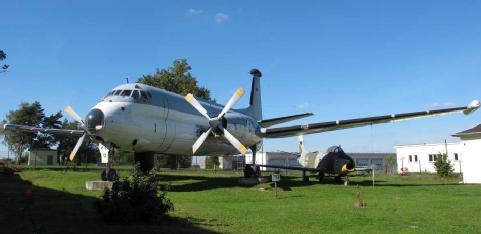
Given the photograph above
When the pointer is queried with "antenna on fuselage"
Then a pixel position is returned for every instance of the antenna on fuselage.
(127, 79)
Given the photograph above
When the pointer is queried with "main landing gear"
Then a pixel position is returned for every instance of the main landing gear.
(305, 178)
(252, 170)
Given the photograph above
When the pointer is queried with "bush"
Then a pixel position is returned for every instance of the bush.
(443, 166)
(138, 198)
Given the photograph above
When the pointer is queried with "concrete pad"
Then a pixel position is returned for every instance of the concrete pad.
(98, 185)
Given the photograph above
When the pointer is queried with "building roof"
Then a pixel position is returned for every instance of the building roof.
(475, 130)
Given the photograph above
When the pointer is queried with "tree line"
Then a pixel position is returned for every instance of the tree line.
(176, 78)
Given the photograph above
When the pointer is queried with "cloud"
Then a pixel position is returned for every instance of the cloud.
(303, 105)
(193, 11)
(221, 17)
(442, 105)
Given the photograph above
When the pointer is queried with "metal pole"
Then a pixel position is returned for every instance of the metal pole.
(446, 146)
(373, 177)
(275, 186)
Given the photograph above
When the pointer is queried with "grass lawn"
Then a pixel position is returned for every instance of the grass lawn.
(213, 203)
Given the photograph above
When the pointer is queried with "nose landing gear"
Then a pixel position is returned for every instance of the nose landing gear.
(108, 174)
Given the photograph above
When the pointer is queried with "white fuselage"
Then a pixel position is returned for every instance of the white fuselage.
(165, 123)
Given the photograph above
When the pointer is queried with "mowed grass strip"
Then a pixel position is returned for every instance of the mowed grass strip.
(216, 202)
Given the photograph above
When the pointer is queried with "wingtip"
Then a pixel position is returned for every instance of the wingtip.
(472, 107)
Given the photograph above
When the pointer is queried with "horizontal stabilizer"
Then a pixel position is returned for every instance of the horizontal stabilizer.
(269, 122)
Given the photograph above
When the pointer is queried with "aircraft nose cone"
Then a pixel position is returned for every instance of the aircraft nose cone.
(95, 120)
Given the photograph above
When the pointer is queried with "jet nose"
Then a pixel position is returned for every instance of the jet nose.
(95, 120)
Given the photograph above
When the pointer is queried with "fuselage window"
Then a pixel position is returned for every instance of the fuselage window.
(117, 92)
(126, 92)
(135, 94)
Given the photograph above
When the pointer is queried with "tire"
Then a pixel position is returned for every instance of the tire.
(111, 174)
(305, 179)
(145, 161)
(103, 174)
(321, 176)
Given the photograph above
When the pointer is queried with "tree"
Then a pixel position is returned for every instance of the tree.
(177, 79)
(3, 56)
(389, 164)
(27, 114)
(443, 166)
(42, 140)
(212, 162)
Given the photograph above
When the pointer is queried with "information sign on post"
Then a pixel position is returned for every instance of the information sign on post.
(276, 176)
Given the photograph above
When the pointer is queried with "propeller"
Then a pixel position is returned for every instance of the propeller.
(215, 123)
(70, 111)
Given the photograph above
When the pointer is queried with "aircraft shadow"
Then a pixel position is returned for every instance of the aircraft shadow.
(201, 183)
(54, 211)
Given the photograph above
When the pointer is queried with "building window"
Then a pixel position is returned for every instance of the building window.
(410, 158)
(433, 157)
(416, 158)
(456, 156)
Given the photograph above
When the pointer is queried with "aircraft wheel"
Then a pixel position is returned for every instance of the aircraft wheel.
(249, 171)
(145, 161)
(305, 179)
(321, 176)
(103, 174)
(111, 174)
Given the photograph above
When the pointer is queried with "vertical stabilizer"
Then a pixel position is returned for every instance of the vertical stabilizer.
(303, 160)
(255, 102)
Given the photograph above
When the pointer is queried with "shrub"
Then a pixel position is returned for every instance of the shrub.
(138, 198)
(443, 166)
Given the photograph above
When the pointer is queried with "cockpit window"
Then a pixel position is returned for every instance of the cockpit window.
(148, 93)
(143, 94)
(135, 94)
(126, 92)
(117, 92)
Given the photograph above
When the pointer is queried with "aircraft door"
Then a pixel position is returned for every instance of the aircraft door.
(168, 133)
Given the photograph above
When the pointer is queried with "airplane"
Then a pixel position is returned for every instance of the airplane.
(334, 161)
(145, 120)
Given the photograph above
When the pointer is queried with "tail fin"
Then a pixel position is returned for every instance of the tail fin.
(303, 160)
(255, 102)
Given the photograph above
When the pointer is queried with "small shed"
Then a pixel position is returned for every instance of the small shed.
(471, 143)
(38, 157)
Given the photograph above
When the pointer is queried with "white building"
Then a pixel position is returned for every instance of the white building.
(267, 158)
(471, 154)
(465, 155)
(421, 157)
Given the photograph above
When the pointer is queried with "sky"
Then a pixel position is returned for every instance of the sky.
(337, 59)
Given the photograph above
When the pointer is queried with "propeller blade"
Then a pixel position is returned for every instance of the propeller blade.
(191, 99)
(236, 143)
(200, 140)
(77, 146)
(69, 110)
(232, 101)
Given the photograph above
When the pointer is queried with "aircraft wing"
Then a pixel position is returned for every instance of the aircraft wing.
(289, 168)
(354, 123)
(25, 128)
